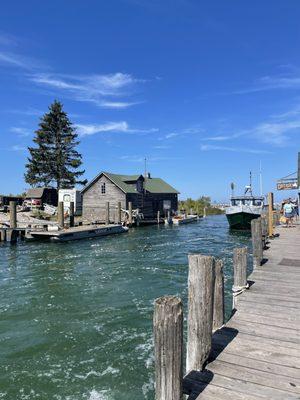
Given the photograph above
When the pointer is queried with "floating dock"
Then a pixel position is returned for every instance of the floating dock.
(76, 233)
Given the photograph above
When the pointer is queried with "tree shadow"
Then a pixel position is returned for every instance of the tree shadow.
(196, 381)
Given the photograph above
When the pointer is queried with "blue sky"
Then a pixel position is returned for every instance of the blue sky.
(204, 89)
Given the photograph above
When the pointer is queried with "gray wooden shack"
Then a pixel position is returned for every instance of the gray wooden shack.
(149, 195)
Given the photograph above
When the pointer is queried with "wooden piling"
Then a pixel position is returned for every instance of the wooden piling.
(218, 311)
(13, 214)
(158, 217)
(168, 348)
(60, 214)
(107, 213)
(240, 268)
(201, 283)
(257, 245)
(270, 214)
(204, 212)
(72, 214)
(2, 235)
(130, 213)
(169, 216)
(119, 213)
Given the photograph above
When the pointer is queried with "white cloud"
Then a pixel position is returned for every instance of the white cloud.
(16, 60)
(98, 89)
(92, 129)
(119, 126)
(18, 148)
(21, 131)
(207, 147)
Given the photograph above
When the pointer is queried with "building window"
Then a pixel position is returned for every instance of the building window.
(67, 198)
(103, 189)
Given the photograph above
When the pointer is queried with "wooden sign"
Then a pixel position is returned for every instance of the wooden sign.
(287, 185)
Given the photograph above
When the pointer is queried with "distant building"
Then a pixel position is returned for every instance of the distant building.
(36, 197)
(149, 195)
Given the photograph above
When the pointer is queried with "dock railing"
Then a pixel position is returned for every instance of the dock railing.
(205, 314)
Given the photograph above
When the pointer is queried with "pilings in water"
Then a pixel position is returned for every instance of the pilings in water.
(240, 283)
(168, 348)
(257, 243)
(130, 213)
(13, 214)
(219, 300)
(201, 283)
(107, 213)
(119, 213)
(205, 316)
(72, 214)
(60, 214)
(158, 217)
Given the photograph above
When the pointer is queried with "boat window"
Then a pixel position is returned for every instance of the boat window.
(103, 188)
(257, 202)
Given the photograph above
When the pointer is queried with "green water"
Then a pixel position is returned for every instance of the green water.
(76, 318)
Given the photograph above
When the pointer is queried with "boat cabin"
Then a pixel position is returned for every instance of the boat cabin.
(247, 201)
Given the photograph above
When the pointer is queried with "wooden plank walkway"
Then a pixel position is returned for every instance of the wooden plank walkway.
(256, 355)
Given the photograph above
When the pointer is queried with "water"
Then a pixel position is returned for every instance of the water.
(76, 318)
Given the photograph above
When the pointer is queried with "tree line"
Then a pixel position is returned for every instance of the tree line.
(197, 206)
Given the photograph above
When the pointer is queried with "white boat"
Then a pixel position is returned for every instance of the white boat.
(181, 219)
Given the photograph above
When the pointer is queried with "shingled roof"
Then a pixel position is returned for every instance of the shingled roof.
(127, 183)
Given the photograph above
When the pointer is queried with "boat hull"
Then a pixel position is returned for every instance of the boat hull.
(241, 220)
(187, 220)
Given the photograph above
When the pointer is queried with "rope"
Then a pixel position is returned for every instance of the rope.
(237, 290)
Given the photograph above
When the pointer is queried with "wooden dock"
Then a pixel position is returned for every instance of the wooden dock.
(257, 353)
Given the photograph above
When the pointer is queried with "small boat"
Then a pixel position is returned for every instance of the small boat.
(182, 219)
(243, 209)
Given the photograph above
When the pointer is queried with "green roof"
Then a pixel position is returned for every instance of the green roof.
(127, 183)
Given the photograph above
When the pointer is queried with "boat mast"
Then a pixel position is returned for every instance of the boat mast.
(250, 190)
(260, 180)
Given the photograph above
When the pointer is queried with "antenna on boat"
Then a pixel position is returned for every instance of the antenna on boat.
(232, 189)
(260, 179)
(145, 176)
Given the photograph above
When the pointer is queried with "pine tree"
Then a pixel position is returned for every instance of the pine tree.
(54, 161)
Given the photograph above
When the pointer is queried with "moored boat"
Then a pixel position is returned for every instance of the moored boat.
(181, 219)
(243, 210)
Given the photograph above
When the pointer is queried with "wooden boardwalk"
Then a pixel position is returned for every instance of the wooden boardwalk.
(256, 355)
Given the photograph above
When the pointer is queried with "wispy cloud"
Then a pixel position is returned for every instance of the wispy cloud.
(119, 126)
(19, 61)
(101, 90)
(7, 40)
(18, 147)
(21, 130)
(207, 147)
(140, 159)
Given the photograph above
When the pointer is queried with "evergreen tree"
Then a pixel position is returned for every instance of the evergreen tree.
(54, 161)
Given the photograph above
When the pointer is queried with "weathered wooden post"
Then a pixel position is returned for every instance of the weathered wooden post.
(60, 214)
(13, 214)
(201, 283)
(168, 348)
(204, 212)
(119, 213)
(240, 283)
(264, 229)
(218, 311)
(158, 216)
(270, 214)
(107, 213)
(169, 217)
(130, 213)
(72, 214)
(256, 234)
